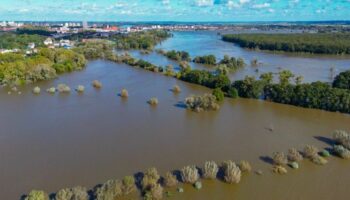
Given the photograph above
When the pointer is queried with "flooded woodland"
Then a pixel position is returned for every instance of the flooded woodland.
(55, 141)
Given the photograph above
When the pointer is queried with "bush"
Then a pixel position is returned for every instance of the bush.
(76, 193)
(176, 89)
(128, 185)
(80, 88)
(319, 160)
(37, 195)
(124, 93)
(341, 151)
(153, 101)
(342, 137)
(202, 103)
(279, 158)
(294, 155)
(170, 180)
(245, 166)
(150, 179)
(219, 95)
(96, 84)
(278, 169)
(36, 90)
(63, 88)
(207, 60)
(210, 170)
(189, 174)
(342, 80)
(112, 189)
(310, 151)
(232, 92)
(155, 193)
(232, 172)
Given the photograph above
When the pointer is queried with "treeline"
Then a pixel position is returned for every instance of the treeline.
(320, 43)
(34, 30)
(176, 55)
(19, 41)
(207, 60)
(16, 69)
(317, 95)
(140, 40)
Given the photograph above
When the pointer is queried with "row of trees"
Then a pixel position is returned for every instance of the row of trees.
(321, 43)
(19, 69)
(177, 55)
(207, 60)
(19, 41)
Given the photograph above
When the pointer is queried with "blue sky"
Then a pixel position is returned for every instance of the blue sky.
(175, 10)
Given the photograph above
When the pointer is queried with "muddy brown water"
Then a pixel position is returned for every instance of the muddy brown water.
(51, 142)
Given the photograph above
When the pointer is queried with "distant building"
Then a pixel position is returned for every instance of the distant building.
(48, 41)
(31, 45)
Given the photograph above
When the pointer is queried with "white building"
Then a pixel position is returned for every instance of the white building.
(48, 41)
(31, 45)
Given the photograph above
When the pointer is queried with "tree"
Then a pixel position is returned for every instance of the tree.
(285, 76)
(342, 80)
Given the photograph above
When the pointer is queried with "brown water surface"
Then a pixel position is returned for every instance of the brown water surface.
(54, 141)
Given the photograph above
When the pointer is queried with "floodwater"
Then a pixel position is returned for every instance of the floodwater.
(51, 142)
(199, 43)
(55, 141)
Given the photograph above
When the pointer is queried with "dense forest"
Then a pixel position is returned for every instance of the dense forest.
(46, 64)
(320, 43)
(19, 41)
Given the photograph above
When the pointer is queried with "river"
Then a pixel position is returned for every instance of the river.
(51, 142)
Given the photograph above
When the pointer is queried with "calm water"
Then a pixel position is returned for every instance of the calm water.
(55, 141)
(312, 67)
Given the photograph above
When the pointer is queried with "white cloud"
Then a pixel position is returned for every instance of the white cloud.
(263, 5)
(204, 2)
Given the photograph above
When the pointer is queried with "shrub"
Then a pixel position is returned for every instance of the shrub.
(279, 158)
(245, 166)
(76, 193)
(170, 180)
(319, 160)
(36, 90)
(176, 89)
(37, 195)
(342, 80)
(278, 169)
(341, 151)
(219, 95)
(232, 92)
(96, 84)
(210, 170)
(200, 103)
(232, 172)
(109, 190)
(198, 185)
(124, 93)
(155, 193)
(310, 151)
(342, 137)
(294, 155)
(150, 179)
(63, 88)
(51, 90)
(80, 88)
(189, 174)
(153, 101)
(128, 184)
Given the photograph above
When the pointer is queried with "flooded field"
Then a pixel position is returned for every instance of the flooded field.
(51, 142)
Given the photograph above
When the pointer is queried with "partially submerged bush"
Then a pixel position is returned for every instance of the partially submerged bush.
(202, 103)
(319, 160)
(36, 90)
(219, 94)
(155, 193)
(76, 193)
(279, 158)
(342, 137)
(310, 151)
(128, 184)
(232, 172)
(170, 180)
(63, 88)
(245, 166)
(176, 89)
(341, 151)
(189, 174)
(124, 93)
(278, 169)
(198, 185)
(112, 189)
(294, 155)
(96, 84)
(37, 195)
(80, 88)
(150, 178)
(210, 170)
(51, 90)
(153, 101)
